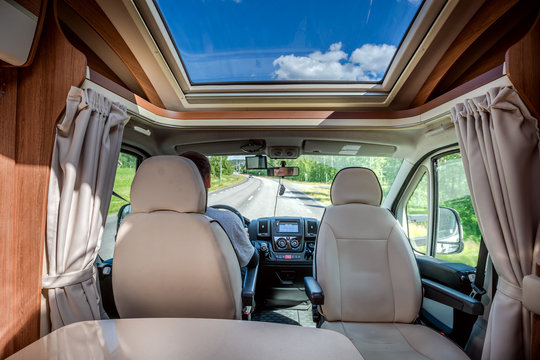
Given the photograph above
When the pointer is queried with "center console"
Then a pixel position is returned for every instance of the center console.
(287, 239)
(286, 246)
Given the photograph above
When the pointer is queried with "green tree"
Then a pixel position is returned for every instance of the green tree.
(227, 167)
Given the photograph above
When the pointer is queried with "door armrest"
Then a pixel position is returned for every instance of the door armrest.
(314, 291)
(453, 298)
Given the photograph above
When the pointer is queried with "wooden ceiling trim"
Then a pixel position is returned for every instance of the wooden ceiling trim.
(34, 6)
(93, 60)
(489, 50)
(481, 80)
(488, 14)
(94, 16)
(522, 67)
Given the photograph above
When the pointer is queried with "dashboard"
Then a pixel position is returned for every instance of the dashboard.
(284, 240)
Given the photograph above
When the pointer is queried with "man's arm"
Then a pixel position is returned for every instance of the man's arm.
(247, 255)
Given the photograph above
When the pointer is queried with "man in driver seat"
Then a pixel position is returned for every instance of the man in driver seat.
(247, 256)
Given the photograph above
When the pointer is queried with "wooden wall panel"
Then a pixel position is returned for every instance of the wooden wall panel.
(8, 106)
(28, 126)
(522, 67)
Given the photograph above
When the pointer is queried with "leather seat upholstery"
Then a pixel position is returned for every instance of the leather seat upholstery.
(169, 259)
(368, 273)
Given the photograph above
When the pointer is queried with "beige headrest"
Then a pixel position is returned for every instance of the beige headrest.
(356, 185)
(168, 182)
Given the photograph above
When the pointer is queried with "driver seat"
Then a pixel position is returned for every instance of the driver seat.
(169, 259)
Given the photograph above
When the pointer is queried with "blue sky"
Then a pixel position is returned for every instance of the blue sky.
(257, 40)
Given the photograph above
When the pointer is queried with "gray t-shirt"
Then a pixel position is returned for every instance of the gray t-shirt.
(234, 228)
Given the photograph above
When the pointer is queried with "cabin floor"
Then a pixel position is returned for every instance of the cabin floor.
(300, 315)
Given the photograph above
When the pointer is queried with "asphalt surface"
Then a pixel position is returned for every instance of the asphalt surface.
(254, 198)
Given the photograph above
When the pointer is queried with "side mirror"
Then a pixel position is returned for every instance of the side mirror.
(450, 232)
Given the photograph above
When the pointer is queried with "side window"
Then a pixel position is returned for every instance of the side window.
(418, 216)
(125, 172)
(458, 235)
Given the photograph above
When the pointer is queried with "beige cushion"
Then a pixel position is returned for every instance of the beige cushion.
(169, 259)
(169, 264)
(365, 266)
(369, 276)
(197, 339)
(356, 185)
(398, 341)
(168, 183)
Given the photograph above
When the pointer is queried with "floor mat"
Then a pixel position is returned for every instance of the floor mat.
(289, 316)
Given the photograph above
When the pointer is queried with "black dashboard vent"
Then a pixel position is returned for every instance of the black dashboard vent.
(312, 227)
(263, 226)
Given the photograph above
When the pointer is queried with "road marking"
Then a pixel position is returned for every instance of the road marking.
(309, 211)
(251, 197)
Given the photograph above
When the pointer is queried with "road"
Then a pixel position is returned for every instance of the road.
(256, 198)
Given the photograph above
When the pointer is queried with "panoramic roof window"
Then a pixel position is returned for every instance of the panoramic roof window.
(282, 40)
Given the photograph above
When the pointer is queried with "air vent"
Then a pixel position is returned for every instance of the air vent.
(312, 227)
(263, 227)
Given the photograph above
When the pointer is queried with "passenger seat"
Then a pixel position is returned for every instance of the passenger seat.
(369, 276)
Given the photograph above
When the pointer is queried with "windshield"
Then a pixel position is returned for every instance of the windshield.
(255, 195)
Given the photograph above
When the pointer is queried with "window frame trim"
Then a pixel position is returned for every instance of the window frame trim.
(421, 171)
(435, 166)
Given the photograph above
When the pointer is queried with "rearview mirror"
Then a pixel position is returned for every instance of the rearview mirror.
(283, 171)
(450, 232)
(256, 162)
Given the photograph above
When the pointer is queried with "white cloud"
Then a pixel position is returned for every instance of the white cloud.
(373, 58)
(414, 2)
(366, 63)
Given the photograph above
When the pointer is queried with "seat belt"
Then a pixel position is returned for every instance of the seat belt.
(477, 279)
(118, 196)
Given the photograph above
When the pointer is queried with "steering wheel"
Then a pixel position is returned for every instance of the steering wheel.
(233, 210)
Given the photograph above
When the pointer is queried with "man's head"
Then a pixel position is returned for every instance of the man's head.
(202, 164)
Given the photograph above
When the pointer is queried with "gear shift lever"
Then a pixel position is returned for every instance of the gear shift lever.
(264, 250)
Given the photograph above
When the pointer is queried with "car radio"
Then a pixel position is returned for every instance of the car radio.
(288, 234)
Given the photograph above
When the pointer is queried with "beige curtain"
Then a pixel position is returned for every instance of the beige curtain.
(83, 167)
(499, 142)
